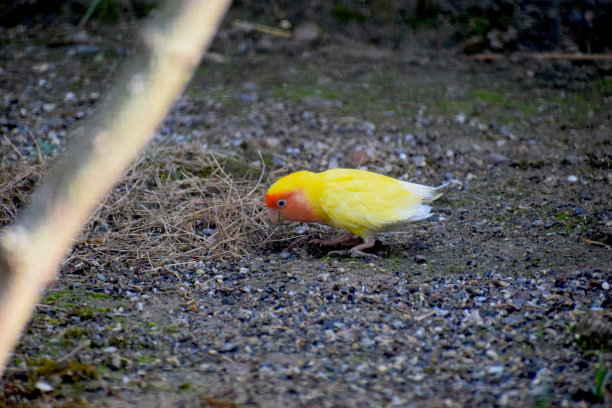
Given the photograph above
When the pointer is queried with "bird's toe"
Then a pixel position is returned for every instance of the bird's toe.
(360, 254)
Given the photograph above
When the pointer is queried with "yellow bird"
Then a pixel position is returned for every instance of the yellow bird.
(359, 201)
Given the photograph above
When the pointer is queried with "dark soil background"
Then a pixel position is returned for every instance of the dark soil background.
(501, 299)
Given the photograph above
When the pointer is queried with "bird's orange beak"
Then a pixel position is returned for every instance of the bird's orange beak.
(274, 215)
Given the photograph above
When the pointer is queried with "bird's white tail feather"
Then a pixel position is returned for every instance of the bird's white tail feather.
(420, 213)
(427, 193)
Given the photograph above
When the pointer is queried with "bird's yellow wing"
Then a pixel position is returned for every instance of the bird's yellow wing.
(366, 203)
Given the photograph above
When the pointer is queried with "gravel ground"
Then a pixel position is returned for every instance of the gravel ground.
(501, 299)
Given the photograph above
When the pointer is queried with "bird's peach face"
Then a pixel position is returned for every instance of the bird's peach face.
(276, 205)
(290, 206)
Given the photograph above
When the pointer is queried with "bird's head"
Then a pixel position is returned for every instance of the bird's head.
(277, 206)
(287, 199)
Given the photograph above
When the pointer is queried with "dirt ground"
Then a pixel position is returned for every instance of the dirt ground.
(501, 299)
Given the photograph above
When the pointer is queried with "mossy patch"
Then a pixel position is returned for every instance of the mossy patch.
(593, 331)
(487, 102)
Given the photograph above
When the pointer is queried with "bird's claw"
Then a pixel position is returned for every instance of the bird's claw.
(319, 242)
(355, 253)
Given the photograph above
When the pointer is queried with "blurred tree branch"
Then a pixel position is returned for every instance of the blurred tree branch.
(32, 248)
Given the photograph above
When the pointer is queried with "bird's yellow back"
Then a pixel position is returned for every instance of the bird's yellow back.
(366, 203)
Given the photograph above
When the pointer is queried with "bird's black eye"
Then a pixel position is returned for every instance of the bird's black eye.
(281, 203)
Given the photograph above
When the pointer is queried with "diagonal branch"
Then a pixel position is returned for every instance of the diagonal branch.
(32, 248)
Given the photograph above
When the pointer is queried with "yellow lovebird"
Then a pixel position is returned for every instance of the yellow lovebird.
(359, 201)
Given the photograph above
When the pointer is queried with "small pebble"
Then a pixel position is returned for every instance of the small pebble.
(418, 258)
(498, 158)
(495, 370)
(43, 386)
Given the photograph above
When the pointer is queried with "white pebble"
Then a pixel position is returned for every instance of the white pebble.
(460, 118)
(302, 229)
(605, 285)
(43, 386)
(572, 179)
(495, 370)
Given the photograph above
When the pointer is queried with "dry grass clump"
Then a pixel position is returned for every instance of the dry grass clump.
(175, 206)
(16, 183)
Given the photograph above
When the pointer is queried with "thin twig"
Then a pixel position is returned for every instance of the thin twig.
(14, 148)
(247, 25)
(81, 346)
(41, 160)
(593, 242)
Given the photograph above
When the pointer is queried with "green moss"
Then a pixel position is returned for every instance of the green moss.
(596, 341)
(75, 86)
(495, 101)
(108, 11)
(71, 371)
(68, 298)
(604, 86)
(144, 360)
(202, 71)
(493, 97)
(76, 333)
(98, 296)
(394, 262)
(84, 313)
(268, 159)
(118, 341)
(453, 268)
(55, 297)
(345, 15)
